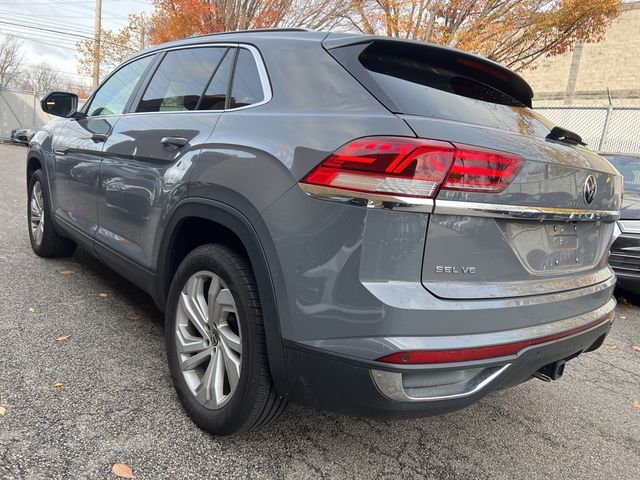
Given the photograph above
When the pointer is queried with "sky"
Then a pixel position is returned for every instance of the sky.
(66, 22)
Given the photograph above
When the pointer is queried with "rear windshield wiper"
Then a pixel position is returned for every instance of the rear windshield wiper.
(566, 136)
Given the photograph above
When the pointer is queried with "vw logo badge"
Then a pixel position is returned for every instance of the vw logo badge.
(590, 189)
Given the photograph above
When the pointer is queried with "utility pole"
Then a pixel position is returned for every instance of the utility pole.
(97, 52)
(142, 32)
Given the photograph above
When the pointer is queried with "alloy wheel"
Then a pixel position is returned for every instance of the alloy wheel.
(37, 213)
(208, 339)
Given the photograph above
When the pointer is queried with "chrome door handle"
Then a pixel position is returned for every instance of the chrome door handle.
(60, 151)
(176, 142)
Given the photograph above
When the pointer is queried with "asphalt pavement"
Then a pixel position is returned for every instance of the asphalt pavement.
(114, 402)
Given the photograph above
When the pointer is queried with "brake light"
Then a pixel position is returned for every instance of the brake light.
(414, 167)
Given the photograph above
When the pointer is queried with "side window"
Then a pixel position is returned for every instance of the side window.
(180, 80)
(113, 95)
(216, 95)
(247, 87)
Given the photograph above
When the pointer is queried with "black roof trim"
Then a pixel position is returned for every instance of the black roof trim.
(254, 30)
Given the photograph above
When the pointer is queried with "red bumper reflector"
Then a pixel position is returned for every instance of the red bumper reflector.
(482, 353)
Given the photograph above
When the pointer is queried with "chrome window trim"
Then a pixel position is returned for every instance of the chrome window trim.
(262, 72)
(458, 208)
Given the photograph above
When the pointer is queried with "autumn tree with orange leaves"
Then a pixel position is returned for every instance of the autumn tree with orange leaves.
(513, 32)
(182, 18)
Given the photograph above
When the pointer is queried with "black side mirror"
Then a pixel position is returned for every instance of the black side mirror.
(60, 104)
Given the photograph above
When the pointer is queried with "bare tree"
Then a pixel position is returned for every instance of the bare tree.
(41, 79)
(316, 14)
(11, 59)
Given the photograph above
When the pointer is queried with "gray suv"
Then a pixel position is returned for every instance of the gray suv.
(368, 225)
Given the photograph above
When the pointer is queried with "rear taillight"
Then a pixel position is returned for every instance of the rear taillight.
(414, 167)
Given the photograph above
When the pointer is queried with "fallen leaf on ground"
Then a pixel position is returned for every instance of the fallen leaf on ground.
(66, 273)
(636, 404)
(623, 301)
(122, 470)
(103, 295)
(63, 338)
(136, 316)
(623, 317)
(611, 346)
(636, 348)
(32, 310)
(58, 384)
(3, 410)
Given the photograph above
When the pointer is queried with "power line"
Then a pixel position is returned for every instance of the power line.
(60, 32)
(58, 25)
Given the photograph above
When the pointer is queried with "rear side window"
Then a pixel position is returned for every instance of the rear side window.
(181, 79)
(215, 97)
(247, 86)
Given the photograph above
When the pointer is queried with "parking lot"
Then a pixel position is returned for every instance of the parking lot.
(114, 402)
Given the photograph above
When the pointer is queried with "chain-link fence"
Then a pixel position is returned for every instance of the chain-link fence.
(19, 109)
(609, 129)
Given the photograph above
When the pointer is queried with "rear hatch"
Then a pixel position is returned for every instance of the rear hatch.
(549, 229)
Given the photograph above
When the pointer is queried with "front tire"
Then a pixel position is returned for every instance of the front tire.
(215, 342)
(45, 241)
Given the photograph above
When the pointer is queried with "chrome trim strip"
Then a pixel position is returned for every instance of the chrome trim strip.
(370, 200)
(390, 384)
(524, 288)
(472, 209)
(452, 207)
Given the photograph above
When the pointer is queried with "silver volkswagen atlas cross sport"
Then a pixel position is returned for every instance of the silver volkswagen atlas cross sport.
(362, 224)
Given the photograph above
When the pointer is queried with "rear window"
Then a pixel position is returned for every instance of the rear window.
(629, 168)
(424, 80)
(405, 74)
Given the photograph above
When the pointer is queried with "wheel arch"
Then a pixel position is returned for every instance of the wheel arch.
(34, 162)
(230, 225)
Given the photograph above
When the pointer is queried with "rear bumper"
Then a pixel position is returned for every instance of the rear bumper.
(345, 384)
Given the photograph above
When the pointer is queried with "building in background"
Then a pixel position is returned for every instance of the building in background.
(584, 75)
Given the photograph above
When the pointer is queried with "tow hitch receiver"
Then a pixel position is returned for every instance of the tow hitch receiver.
(552, 371)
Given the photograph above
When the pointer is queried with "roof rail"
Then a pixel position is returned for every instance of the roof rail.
(255, 30)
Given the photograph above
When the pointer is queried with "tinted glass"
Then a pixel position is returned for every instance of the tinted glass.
(180, 80)
(419, 86)
(216, 94)
(629, 168)
(114, 94)
(247, 87)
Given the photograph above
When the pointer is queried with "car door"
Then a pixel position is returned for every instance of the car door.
(78, 150)
(149, 153)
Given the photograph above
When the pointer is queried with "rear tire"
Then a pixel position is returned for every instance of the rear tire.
(44, 238)
(215, 342)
